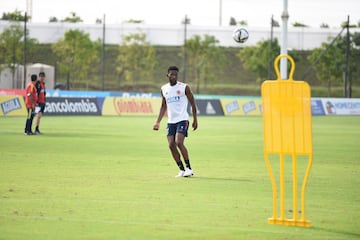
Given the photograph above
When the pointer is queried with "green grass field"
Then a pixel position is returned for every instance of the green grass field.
(113, 178)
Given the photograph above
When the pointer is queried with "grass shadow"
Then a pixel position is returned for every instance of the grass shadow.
(332, 230)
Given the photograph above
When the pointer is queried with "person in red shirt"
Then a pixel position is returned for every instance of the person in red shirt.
(30, 102)
(41, 93)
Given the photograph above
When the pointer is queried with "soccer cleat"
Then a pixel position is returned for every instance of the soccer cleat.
(28, 133)
(188, 172)
(37, 132)
(180, 174)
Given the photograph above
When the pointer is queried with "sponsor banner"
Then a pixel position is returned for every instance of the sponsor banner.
(56, 106)
(135, 94)
(341, 106)
(237, 107)
(207, 107)
(12, 92)
(131, 106)
(317, 107)
(12, 106)
(100, 102)
(70, 93)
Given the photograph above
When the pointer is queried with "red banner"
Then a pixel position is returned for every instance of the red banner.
(12, 92)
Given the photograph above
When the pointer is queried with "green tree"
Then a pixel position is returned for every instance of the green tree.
(73, 18)
(329, 68)
(78, 57)
(329, 60)
(186, 20)
(344, 24)
(232, 21)
(53, 19)
(14, 16)
(136, 60)
(355, 59)
(12, 46)
(205, 59)
(356, 39)
(256, 58)
(136, 21)
(297, 24)
(243, 23)
(324, 25)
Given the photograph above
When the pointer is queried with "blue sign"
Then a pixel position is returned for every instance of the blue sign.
(317, 107)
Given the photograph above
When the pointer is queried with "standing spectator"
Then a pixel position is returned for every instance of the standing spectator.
(41, 93)
(30, 101)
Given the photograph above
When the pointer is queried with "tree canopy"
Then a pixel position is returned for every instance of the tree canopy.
(136, 59)
(258, 58)
(330, 60)
(205, 58)
(14, 16)
(72, 18)
(12, 46)
(77, 56)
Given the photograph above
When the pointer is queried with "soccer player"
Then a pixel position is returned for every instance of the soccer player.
(41, 93)
(175, 98)
(30, 102)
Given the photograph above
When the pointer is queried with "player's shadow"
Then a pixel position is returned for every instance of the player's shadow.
(223, 179)
(75, 135)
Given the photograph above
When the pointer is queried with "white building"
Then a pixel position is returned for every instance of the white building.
(173, 35)
(16, 80)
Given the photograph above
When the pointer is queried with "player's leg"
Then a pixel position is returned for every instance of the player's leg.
(32, 115)
(173, 148)
(38, 117)
(172, 145)
(27, 122)
(181, 133)
(179, 142)
(29, 119)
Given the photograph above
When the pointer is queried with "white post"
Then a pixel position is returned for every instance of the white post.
(220, 13)
(284, 40)
(29, 10)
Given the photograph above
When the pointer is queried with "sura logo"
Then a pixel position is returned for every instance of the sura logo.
(249, 106)
(83, 106)
(173, 99)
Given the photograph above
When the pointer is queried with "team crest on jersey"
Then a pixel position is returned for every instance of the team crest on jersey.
(178, 92)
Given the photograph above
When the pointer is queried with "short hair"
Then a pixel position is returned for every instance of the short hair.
(41, 74)
(173, 68)
(33, 77)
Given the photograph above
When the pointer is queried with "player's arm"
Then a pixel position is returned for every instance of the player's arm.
(162, 111)
(191, 99)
